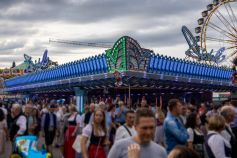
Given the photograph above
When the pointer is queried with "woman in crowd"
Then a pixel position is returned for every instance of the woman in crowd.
(73, 125)
(3, 134)
(216, 145)
(196, 137)
(96, 134)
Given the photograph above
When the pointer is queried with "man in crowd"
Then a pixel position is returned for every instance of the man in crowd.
(89, 115)
(126, 130)
(49, 126)
(145, 124)
(18, 122)
(86, 110)
(29, 118)
(183, 115)
(175, 132)
(120, 113)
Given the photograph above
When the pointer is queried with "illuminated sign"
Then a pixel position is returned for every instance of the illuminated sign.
(196, 52)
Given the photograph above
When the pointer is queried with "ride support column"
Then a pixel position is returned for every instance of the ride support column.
(79, 93)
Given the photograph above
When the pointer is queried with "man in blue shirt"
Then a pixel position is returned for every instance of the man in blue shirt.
(175, 132)
(120, 113)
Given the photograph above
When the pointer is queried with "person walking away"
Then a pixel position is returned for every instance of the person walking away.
(175, 132)
(145, 124)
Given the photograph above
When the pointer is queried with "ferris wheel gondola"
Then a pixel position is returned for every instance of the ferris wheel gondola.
(217, 28)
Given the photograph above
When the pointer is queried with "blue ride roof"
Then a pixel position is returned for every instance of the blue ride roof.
(131, 58)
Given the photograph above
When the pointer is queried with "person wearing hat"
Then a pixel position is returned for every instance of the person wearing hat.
(49, 126)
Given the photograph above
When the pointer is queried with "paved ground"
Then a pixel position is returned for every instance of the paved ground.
(56, 151)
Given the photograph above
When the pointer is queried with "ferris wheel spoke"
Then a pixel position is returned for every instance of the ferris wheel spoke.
(234, 53)
(233, 14)
(221, 40)
(224, 21)
(233, 48)
(231, 17)
(222, 31)
(231, 55)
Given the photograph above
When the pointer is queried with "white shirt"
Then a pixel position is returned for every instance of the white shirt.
(82, 125)
(4, 111)
(216, 143)
(59, 115)
(87, 131)
(225, 134)
(21, 122)
(72, 118)
(122, 133)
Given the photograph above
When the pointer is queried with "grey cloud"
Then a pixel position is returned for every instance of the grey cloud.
(6, 61)
(6, 45)
(154, 38)
(16, 31)
(91, 11)
(133, 15)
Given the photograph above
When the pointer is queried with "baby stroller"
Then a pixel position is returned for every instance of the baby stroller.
(26, 147)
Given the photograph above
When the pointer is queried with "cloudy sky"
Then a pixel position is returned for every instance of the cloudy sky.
(27, 25)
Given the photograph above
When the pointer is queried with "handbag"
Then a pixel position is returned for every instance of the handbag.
(77, 144)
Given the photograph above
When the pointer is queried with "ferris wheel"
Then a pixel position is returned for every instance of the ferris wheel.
(217, 29)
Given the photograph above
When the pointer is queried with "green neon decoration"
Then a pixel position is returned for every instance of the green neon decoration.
(127, 54)
(116, 57)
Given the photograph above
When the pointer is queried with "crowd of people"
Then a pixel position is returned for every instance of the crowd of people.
(114, 130)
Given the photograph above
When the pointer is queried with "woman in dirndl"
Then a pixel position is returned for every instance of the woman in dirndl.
(95, 133)
(196, 137)
(73, 125)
